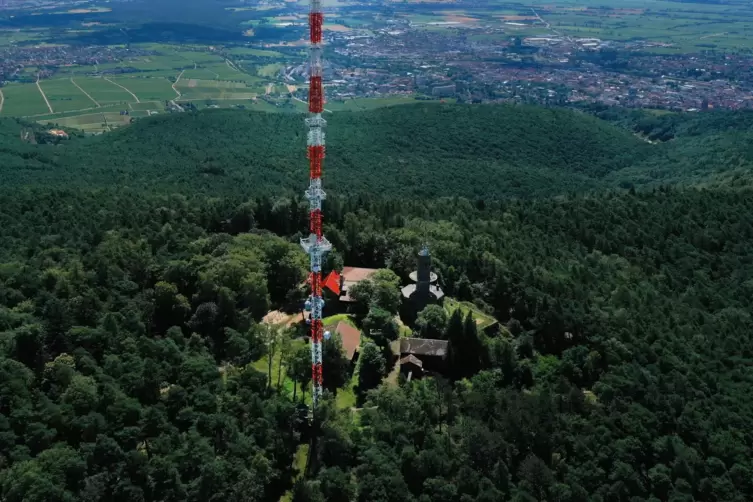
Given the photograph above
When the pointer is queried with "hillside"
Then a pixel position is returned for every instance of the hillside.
(422, 149)
(709, 148)
(136, 269)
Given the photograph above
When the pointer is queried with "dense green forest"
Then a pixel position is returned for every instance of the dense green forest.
(424, 150)
(136, 267)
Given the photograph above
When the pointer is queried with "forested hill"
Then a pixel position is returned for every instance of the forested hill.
(136, 267)
(422, 149)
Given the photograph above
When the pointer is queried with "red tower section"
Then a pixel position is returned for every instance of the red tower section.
(316, 20)
(316, 96)
(315, 154)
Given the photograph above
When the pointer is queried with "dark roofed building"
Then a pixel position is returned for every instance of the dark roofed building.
(431, 354)
(350, 336)
(424, 347)
(411, 367)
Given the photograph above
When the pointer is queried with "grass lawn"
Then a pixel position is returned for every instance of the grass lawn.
(334, 319)
(346, 397)
(299, 464)
(482, 320)
(287, 384)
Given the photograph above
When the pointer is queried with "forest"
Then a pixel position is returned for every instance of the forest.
(136, 268)
(488, 151)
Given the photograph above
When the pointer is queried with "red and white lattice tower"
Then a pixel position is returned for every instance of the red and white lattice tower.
(315, 244)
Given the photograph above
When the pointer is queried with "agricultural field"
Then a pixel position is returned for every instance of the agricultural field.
(688, 26)
(192, 89)
(145, 106)
(269, 70)
(228, 71)
(200, 74)
(64, 96)
(147, 88)
(103, 91)
(22, 100)
(240, 52)
(92, 122)
(361, 104)
(54, 117)
(171, 64)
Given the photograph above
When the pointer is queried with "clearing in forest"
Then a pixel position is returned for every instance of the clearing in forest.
(483, 320)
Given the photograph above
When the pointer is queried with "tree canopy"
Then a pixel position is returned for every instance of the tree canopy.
(132, 293)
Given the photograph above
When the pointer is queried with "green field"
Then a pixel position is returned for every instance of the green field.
(262, 365)
(91, 122)
(22, 100)
(199, 56)
(171, 63)
(191, 89)
(148, 89)
(360, 104)
(688, 27)
(103, 91)
(206, 78)
(243, 51)
(200, 74)
(64, 96)
(482, 320)
(52, 117)
(147, 105)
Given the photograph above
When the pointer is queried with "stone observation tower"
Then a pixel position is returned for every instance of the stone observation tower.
(424, 290)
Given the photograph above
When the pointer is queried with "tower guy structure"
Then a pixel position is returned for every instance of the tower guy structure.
(315, 245)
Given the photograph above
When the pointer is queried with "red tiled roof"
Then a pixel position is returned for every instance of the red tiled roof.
(356, 274)
(351, 337)
(353, 275)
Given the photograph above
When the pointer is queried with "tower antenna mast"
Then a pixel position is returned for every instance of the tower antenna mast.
(315, 245)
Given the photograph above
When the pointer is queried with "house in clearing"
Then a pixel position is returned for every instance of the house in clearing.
(419, 356)
(350, 337)
(351, 276)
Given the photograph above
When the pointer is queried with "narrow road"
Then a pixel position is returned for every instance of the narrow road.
(43, 95)
(549, 26)
(126, 90)
(86, 93)
(231, 65)
(2, 100)
(176, 83)
(56, 113)
(106, 123)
